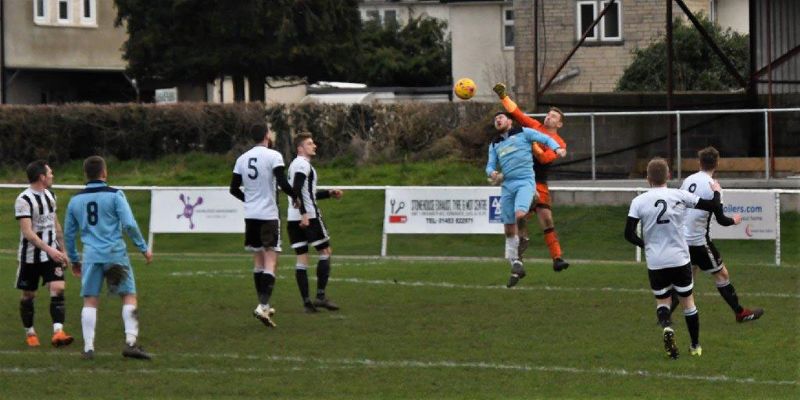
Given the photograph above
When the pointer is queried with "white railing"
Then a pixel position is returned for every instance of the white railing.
(384, 242)
(677, 114)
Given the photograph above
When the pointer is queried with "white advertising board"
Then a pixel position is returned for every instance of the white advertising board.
(212, 210)
(442, 210)
(758, 212)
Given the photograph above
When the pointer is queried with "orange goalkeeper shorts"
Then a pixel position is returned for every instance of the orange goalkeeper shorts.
(542, 196)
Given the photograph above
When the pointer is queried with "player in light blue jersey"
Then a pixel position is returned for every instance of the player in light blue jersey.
(101, 213)
(511, 157)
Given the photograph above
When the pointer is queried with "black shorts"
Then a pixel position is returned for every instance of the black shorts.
(664, 281)
(706, 257)
(262, 234)
(28, 275)
(314, 234)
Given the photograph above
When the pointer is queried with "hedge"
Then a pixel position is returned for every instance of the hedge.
(352, 133)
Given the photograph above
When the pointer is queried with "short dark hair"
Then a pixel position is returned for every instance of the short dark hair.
(36, 169)
(560, 113)
(709, 158)
(93, 167)
(258, 131)
(657, 171)
(506, 113)
(300, 138)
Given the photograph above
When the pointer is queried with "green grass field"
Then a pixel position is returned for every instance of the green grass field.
(412, 329)
(410, 326)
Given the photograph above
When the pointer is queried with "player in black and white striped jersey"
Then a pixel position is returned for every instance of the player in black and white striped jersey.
(41, 253)
(702, 250)
(305, 225)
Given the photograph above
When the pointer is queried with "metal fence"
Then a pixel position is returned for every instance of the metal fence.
(678, 113)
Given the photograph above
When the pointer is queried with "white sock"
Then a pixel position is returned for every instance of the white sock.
(88, 322)
(512, 244)
(30, 331)
(58, 327)
(131, 323)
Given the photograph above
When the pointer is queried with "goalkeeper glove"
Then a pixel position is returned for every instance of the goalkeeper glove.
(500, 89)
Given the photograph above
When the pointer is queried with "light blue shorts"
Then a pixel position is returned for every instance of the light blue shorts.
(516, 195)
(92, 280)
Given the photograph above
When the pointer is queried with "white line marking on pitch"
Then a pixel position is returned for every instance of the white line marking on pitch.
(335, 363)
(449, 285)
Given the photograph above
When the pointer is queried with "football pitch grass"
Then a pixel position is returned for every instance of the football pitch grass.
(411, 328)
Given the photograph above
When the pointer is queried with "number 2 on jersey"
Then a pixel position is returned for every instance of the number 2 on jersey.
(663, 205)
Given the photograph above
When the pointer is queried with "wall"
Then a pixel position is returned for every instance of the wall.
(733, 14)
(62, 47)
(478, 46)
(599, 65)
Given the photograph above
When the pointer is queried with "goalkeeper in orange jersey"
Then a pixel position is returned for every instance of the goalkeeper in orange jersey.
(544, 156)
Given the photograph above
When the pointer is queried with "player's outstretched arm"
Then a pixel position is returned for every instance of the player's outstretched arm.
(630, 232)
(326, 194)
(511, 107)
(723, 219)
(714, 203)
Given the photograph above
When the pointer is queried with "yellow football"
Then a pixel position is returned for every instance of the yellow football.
(464, 88)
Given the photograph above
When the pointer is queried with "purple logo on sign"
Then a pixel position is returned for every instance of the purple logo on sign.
(188, 208)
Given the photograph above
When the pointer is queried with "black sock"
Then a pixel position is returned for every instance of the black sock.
(323, 272)
(258, 282)
(663, 316)
(693, 324)
(729, 294)
(26, 312)
(57, 309)
(301, 275)
(267, 284)
(675, 302)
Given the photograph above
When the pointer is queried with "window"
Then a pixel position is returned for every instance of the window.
(610, 27)
(586, 14)
(88, 12)
(390, 17)
(63, 10)
(40, 11)
(382, 17)
(508, 28)
(373, 16)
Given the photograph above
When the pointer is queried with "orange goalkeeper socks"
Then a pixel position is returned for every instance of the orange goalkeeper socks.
(551, 240)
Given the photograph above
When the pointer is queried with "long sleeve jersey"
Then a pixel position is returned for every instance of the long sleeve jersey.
(512, 152)
(101, 213)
